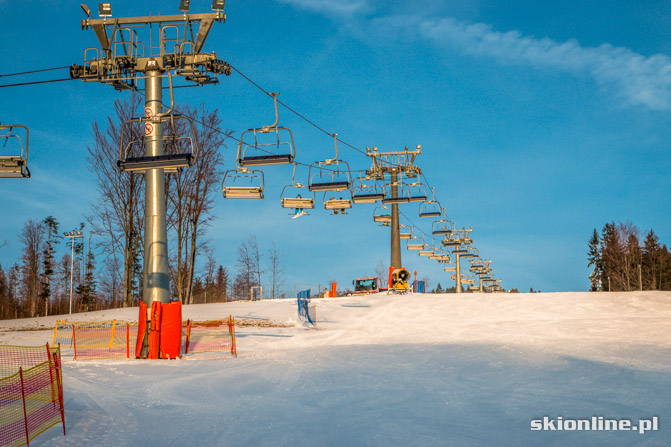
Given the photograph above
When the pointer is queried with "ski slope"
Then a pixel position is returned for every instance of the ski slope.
(417, 370)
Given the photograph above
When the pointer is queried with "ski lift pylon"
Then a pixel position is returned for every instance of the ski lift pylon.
(279, 151)
(15, 165)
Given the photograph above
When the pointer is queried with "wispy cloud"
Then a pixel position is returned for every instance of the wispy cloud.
(638, 80)
(339, 7)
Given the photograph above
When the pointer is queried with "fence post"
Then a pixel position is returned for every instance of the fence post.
(188, 335)
(51, 377)
(74, 340)
(25, 413)
(55, 332)
(127, 340)
(112, 334)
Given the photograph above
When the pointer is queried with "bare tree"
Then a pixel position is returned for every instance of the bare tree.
(189, 194)
(248, 267)
(382, 273)
(276, 271)
(32, 238)
(118, 214)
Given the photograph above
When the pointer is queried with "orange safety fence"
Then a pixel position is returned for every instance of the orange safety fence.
(103, 341)
(115, 339)
(212, 336)
(31, 397)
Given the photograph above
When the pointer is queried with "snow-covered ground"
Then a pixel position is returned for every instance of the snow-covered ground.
(418, 370)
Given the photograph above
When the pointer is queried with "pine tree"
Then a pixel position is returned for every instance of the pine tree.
(51, 226)
(87, 289)
(594, 259)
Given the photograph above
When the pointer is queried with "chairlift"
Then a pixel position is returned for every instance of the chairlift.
(365, 193)
(401, 194)
(243, 184)
(427, 251)
(15, 165)
(262, 152)
(430, 208)
(450, 269)
(414, 244)
(331, 174)
(133, 155)
(337, 204)
(291, 195)
(404, 234)
(441, 227)
(416, 192)
(382, 216)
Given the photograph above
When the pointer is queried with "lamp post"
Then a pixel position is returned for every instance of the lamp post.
(72, 235)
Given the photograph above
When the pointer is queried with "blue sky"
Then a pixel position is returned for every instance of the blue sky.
(539, 121)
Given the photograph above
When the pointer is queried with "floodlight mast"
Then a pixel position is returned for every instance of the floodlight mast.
(391, 165)
(120, 62)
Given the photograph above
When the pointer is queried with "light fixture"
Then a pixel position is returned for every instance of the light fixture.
(184, 6)
(105, 9)
(218, 5)
(86, 10)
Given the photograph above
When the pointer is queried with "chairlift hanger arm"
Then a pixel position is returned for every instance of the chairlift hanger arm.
(175, 18)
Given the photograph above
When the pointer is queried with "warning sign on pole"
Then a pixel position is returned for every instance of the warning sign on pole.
(148, 112)
(148, 128)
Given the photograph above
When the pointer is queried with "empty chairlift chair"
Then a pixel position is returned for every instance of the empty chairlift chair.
(416, 192)
(243, 184)
(13, 154)
(430, 208)
(401, 194)
(178, 151)
(331, 174)
(404, 234)
(441, 228)
(296, 196)
(270, 145)
(363, 192)
(415, 244)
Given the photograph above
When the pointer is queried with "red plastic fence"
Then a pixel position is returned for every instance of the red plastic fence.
(31, 399)
(104, 341)
(216, 336)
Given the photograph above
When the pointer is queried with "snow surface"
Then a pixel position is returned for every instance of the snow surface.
(381, 370)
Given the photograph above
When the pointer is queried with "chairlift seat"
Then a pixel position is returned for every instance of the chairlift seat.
(166, 161)
(382, 219)
(13, 167)
(450, 269)
(262, 160)
(337, 204)
(426, 253)
(393, 200)
(416, 246)
(243, 192)
(404, 235)
(449, 243)
(329, 186)
(367, 198)
(298, 202)
(418, 198)
(430, 214)
(459, 251)
(441, 231)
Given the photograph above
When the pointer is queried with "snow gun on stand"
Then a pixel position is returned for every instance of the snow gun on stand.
(398, 280)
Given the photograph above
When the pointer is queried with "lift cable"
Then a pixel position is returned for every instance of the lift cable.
(32, 71)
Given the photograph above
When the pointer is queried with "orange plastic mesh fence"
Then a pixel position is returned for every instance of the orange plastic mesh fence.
(31, 399)
(214, 336)
(103, 340)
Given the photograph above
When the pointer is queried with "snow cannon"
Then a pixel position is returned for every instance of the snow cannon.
(399, 280)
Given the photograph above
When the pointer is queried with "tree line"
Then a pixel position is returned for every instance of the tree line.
(104, 267)
(621, 262)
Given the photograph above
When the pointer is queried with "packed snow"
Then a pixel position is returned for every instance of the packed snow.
(383, 370)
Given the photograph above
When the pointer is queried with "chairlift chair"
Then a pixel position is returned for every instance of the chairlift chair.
(417, 192)
(364, 193)
(380, 217)
(450, 269)
(441, 227)
(430, 208)
(401, 197)
(298, 202)
(331, 174)
(16, 165)
(404, 234)
(414, 244)
(280, 150)
(336, 204)
(131, 160)
(243, 184)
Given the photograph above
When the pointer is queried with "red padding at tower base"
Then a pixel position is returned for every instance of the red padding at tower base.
(155, 330)
(171, 330)
(141, 328)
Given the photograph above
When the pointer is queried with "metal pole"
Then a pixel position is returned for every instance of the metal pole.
(480, 284)
(156, 278)
(72, 263)
(458, 277)
(640, 278)
(395, 232)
